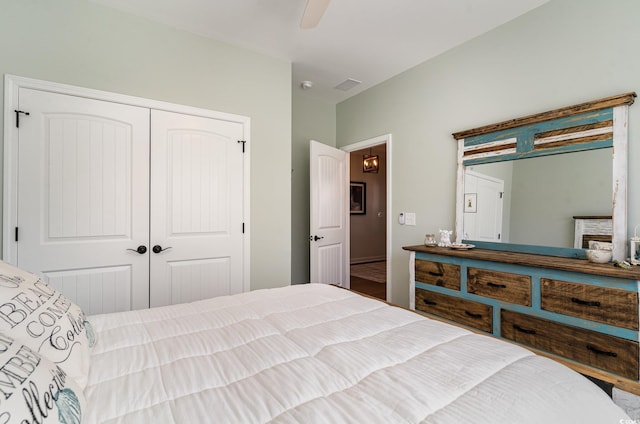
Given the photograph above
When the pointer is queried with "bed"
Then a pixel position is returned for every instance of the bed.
(305, 354)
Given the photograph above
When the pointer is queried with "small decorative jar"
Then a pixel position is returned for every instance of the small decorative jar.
(430, 240)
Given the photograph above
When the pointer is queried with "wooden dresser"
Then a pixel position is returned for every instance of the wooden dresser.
(580, 313)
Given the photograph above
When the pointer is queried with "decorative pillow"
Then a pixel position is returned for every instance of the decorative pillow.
(34, 389)
(41, 318)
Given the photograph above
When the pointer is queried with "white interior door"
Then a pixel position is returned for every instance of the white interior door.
(197, 235)
(83, 191)
(329, 200)
(484, 221)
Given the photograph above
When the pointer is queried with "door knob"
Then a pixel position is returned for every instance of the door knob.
(316, 238)
(157, 248)
(141, 249)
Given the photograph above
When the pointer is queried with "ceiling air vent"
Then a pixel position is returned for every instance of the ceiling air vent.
(347, 84)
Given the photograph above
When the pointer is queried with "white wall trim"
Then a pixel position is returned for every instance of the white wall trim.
(376, 141)
(12, 85)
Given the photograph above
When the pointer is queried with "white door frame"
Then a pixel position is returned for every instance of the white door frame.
(13, 83)
(376, 141)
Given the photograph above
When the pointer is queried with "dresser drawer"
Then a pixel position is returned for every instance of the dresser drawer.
(438, 274)
(463, 311)
(609, 353)
(602, 304)
(512, 288)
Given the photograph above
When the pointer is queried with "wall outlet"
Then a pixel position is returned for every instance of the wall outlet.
(410, 218)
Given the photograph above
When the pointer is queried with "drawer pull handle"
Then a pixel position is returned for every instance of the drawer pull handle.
(435, 274)
(497, 286)
(472, 315)
(585, 302)
(523, 330)
(601, 352)
(429, 302)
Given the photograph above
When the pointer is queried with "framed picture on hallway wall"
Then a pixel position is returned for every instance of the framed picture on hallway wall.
(358, 198)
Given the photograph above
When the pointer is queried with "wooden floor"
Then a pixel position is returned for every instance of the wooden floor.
(368, 287)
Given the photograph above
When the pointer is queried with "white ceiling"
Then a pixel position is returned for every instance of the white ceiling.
(366, 40)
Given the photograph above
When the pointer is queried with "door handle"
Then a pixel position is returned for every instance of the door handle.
(316, 238)
(157, 248)
(141, 249)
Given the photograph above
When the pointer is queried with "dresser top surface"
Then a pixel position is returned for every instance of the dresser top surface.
(528, 259)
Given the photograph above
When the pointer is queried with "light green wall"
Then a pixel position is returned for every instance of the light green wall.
(563, 53)
(80, 43)
(312, 120)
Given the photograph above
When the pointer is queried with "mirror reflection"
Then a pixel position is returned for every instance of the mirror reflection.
(533, 201)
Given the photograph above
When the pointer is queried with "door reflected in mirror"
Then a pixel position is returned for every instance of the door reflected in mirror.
(533, 201)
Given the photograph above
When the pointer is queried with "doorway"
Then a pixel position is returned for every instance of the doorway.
(369, 234)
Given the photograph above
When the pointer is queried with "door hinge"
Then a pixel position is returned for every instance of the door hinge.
(16, 233)
(243, 228)
(243, 144)
(18, 112)
(499, 235)
(501, 193)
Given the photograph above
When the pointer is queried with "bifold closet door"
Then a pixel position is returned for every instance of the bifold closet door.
(196, 240)
(83, 198)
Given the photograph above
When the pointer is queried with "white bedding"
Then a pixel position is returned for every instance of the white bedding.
(316, 353)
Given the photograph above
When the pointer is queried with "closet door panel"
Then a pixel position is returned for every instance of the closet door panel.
(102, 290)
(196, 207)
(199, 279)
(83, 197)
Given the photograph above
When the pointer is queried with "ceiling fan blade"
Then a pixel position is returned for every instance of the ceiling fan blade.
(313, 13)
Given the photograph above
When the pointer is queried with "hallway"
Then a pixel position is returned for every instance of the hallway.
(370, 279)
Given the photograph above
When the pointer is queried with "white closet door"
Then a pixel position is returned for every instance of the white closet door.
(196, 208)
(83, 198)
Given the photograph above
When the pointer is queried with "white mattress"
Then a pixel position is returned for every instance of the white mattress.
(316, 353)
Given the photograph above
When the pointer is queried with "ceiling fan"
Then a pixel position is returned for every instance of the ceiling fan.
(313, 13)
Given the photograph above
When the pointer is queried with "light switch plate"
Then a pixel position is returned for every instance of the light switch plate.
(410, 218)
